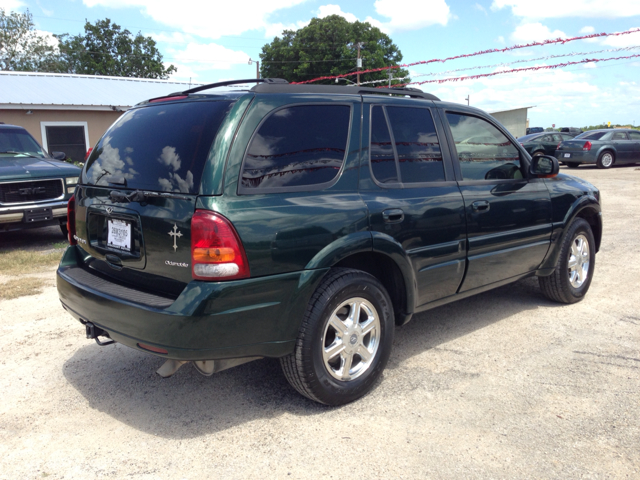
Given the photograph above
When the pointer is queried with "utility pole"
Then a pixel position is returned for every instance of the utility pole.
(467, 99)
(390, 75)
(257, 67)
(359, 63)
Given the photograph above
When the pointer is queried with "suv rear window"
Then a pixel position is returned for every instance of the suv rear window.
(160, 147)
(297, 146)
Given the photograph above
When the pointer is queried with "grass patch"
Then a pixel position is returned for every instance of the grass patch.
(21, 287)
(18, 262)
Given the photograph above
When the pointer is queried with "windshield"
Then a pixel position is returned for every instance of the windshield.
(158, 147)
(19, 142)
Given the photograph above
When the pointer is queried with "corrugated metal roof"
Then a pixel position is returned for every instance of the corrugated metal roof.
(28, 89)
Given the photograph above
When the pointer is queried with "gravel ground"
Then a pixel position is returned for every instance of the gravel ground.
(502, 385)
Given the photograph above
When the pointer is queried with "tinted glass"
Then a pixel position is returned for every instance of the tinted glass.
(619, 136)
(483, 151)
(383, 163)
(160, 147)
(14, 140)
(297, 146)
(634, 135)
(564, 137)
(592, 136)
(417, 145)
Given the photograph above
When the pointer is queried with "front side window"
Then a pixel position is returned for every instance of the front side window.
(297, 146)
(484, 152)
(410, 152)
(634, 135)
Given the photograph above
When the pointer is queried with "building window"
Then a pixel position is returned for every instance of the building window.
(71, 138)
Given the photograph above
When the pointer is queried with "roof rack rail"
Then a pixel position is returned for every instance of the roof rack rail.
(232, 82)
(341, 89)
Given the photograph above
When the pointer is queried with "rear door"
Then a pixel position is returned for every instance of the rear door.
(139, 191)
(635, 138)
(624, 147)
(409, 187)
(508, 215)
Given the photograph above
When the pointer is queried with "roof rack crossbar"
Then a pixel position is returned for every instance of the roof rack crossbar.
(230, 82)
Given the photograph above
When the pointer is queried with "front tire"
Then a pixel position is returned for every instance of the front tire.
(572, 276)
(344, 341)
(606, 159)
(572, 164)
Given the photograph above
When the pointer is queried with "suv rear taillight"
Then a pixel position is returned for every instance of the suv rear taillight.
(216, 250)
(558, 146)
(71, 220)
(587, 146)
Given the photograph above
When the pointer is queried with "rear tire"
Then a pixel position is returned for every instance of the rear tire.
(344, 341)
(572, 276)
(606, 159)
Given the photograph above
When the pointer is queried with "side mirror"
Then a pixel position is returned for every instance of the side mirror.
(544, 166)
(59, 155)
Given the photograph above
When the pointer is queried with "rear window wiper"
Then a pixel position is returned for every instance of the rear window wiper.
(142, 196)
(22, 153)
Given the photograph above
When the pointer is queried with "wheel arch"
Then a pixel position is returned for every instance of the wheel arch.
(381, 256)
(585, 207)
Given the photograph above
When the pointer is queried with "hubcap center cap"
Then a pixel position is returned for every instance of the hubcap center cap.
(353, 339)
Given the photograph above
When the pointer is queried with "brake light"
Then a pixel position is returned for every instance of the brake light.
(558, 147)
(216, 250)
(71, 220)
(88, 153)
(168, 99)
(587, 146)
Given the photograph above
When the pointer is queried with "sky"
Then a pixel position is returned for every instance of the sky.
(212, 40)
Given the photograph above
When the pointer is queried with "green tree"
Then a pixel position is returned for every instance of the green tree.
(328, 46)
(106, 49)
(22, 48)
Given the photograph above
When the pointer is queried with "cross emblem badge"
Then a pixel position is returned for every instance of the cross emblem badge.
(175, 234)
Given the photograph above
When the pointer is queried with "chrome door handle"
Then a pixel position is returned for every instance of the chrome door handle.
(393, 215)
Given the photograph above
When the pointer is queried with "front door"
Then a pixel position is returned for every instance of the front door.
(409, 187)
(508, 215)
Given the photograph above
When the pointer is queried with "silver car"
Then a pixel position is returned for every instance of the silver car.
(603, 148)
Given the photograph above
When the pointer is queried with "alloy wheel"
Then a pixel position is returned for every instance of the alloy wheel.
(578, 265)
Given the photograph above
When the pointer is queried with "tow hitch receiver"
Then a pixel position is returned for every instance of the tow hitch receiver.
(94, 332)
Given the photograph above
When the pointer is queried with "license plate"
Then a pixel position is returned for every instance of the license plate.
(119, 234)
(567, 155)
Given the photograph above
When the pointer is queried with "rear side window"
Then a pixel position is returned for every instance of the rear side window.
(634, 135)
(592, 136)
(297, 146)
(162, 147)
(484, 152)
(410, 151)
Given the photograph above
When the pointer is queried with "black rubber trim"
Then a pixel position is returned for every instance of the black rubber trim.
(94, 282)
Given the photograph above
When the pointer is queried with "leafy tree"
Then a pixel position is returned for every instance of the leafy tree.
(328, 46)
(106, 49)
(22, 48)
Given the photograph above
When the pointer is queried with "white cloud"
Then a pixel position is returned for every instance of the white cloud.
(207, 56)
(171, 38)
(574, 8)
(413, 14)
(11, 5)
(590, 65)
(275, 29)
(630, 40)
(206, 19)
(534, 32)
(477, 6)
(326, 10)
(588, 30)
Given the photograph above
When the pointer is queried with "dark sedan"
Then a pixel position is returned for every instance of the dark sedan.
(543, 143)
(603, 148)
(34, 186)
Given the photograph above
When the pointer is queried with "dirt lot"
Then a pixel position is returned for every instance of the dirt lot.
(502, 385)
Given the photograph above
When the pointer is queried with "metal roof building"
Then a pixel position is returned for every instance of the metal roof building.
(69, 113)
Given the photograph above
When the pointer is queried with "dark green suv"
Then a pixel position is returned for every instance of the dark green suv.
(305, 222)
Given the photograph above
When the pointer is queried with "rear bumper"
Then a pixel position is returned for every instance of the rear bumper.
(208, 321)
(576, 157)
